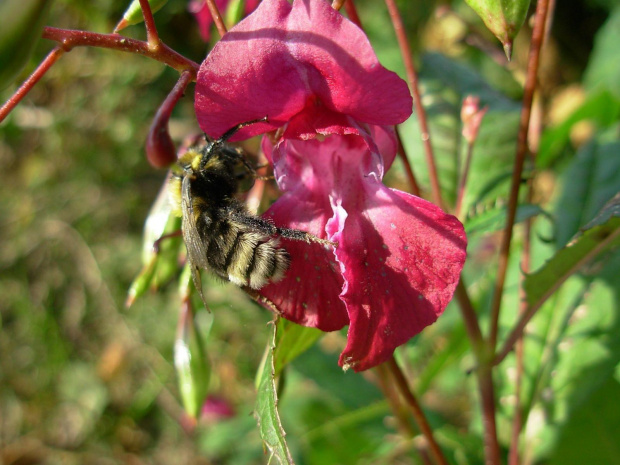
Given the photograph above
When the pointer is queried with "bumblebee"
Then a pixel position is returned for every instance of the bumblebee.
(220, 234)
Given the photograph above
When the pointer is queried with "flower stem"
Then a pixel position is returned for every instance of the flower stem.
(412, 78)
(349, 7)
(29, 83)
(538, 34)
(69, 38)
(152, 37)
(413, 183)
(217, 17)
(416, 410)
(393, 399)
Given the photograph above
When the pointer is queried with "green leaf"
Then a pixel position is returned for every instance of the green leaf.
(445, 83)
(22, 25)
(266, 411)
(503, 18)
(191, 361)
(601, 235)
(591, 434)
(133, 14)
(494, 218)
(592, 178)
(603, 71)
(292, 341)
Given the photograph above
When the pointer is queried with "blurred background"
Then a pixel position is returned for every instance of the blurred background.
(85, 380)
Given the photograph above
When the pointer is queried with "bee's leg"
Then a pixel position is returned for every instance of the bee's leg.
(269, 229)
(299, 235)
(158, 242)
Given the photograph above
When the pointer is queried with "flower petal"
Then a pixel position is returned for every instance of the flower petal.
(283, 58)
(401, 258)
(308, 294)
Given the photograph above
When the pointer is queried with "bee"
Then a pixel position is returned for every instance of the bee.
(220, 234)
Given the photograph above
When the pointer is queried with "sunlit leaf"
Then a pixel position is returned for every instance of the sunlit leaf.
(494, 218)
(601, 235)
(292, 341)
(266, 411)
(191, 361)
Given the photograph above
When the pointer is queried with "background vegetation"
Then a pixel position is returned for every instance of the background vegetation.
(85, 380)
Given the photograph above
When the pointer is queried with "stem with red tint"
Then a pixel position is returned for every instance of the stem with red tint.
(29, 83)
(412, 78)
(217, 17)
(538, 35)
(69, 38)
(416, 410)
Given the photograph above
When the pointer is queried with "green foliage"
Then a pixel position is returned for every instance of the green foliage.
(89, 378)
(267, 409)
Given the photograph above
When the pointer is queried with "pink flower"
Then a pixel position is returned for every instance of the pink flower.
(398, 258)
(312, 72)
(303, 65)
(203, 16)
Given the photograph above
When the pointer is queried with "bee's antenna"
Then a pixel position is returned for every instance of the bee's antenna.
(231, 132)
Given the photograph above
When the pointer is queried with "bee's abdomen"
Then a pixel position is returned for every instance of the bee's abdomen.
(246, 257)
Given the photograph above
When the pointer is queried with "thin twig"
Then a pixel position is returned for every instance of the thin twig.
(392, 397)
(349, 7)
(29, 83)
(152, 37)
(416, 411)
(69, 38)
(528, 96)
(413, 183)
(412, 78)
(217, 17)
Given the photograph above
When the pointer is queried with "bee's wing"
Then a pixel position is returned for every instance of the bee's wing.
(196, 250)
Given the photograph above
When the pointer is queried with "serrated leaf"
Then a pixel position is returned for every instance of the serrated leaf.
(601, 235)
(503, 18)
(592, 178)
(292, 341)
(266, 410)
(494, 218)
(22, 24)
(191, 361)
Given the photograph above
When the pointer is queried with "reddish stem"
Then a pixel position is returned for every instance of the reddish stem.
(538, 35)
(413, 183)
(349, 7)
(416, 410)
(29, 83)
(152, 37)
(412, 78)
(463, 181)
(69, 38)
(217, 17)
